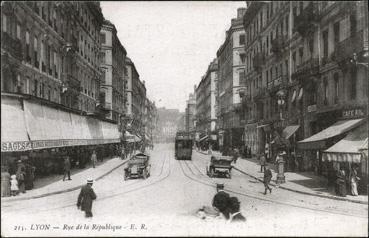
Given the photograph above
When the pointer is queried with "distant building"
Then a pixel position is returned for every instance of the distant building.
(190, 114)
(112, 87)
(231, 63)
(167, 125)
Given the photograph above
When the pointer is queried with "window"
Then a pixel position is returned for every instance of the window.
(43, 57)
(294, 61)
(103, 57)
(286, 65)
(301, 7)
(336, 82)
(301, 53)
(5, 22)
(294, 18)
(28, 57)
(336, 30)
(35, 44)
(353, 24)
(325, 82)
(35, 88)
(353, 83)
(242, 39)
(241, 76)
(311, 45)
(102, 38)
(242, 58)
(325, 44)
(18, 31)
(287, 21)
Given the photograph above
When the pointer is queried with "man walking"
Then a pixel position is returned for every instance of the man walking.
(85, 198)
(66, 168)
(93, 159)
(267, 178)
(262, 162)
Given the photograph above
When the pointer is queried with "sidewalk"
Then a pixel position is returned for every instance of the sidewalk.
(78, 180)
(302, 182)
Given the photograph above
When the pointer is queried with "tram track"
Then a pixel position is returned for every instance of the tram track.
(195, 178)
(72, 202)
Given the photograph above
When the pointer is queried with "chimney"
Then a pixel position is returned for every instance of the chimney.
(240, 12)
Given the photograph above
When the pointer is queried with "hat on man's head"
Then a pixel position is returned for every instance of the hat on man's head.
(90, 181)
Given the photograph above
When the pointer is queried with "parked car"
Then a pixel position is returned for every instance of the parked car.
(138, 167)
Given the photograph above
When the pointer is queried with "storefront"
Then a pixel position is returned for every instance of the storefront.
(347, 154)
(41, 135)
(314, 146)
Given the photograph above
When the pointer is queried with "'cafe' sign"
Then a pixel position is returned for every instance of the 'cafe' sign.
(353, 113)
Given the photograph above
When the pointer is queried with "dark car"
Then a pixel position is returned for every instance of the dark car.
(138, 167)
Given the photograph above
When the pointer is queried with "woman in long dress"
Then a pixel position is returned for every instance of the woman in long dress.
(354, 180)
(5, 182)
(341, 180)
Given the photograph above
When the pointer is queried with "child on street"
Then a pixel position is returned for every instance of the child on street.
(14, 185)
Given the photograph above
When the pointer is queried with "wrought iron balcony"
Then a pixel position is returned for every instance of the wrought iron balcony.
(309, 67)
(73, 83)
(277, 83)
(258, 61)
(304, 23)
(13, 46)
(345, 49)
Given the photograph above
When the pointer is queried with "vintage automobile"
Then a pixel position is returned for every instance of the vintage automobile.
(138, 167)
(220, 166)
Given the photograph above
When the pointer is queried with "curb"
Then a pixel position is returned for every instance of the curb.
(306, 193)
(65, 190)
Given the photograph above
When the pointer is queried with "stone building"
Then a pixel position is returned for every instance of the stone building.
(136, 98)
(191, 113)
(112, 87)
(205, 105)
(301, 77)
(231, 64)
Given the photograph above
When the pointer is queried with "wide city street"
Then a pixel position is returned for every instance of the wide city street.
(166, 204)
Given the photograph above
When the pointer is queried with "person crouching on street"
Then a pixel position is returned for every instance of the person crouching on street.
(234, 210)
(85, 198)
(267, 178)
(221, 201)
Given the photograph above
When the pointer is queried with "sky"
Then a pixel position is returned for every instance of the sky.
(171, 43)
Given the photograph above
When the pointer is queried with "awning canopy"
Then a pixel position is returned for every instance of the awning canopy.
(348, 149)
(318, 141)
(203, 138)
(289, 131)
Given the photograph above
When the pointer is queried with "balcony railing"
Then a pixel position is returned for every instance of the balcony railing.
(13, 46)
(73, 83)
(277, 82)
(304, 23)
(345, 49)
(258, 61)
(309, 67)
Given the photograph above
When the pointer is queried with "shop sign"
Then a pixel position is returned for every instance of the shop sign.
(33, 145)
(352, 113)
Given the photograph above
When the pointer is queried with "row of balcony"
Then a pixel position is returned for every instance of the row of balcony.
(309, 67)
(13, 46)
(277, 83)
(304, 23)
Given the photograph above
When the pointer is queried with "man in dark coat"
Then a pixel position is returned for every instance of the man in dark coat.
(221, 200)
(67, 166)
(267, 178)
(85, 198)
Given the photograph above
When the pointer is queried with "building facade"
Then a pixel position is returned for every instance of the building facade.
(205, 104)
(190, 114)
(136, 98)
(300, 75)
(112, 86)
(231, 64)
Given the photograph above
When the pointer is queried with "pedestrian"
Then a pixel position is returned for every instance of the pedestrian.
(14, 185)
(94, 158)
(341, 182)
(85, 198)
(29, 176)
(221, 201)
(5, 182)
(20, 175)
(235, 154)
(67, 166)
(354, 181)
(267, 178)
(262, 162)
(234, 211)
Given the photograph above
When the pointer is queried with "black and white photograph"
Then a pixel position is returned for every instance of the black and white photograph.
(184, 118)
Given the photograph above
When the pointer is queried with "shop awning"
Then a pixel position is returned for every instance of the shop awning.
(289, 131)
(203, 138)
(318, 141)
(348, 149)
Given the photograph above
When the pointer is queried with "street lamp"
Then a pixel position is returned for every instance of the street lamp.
(280, 101)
